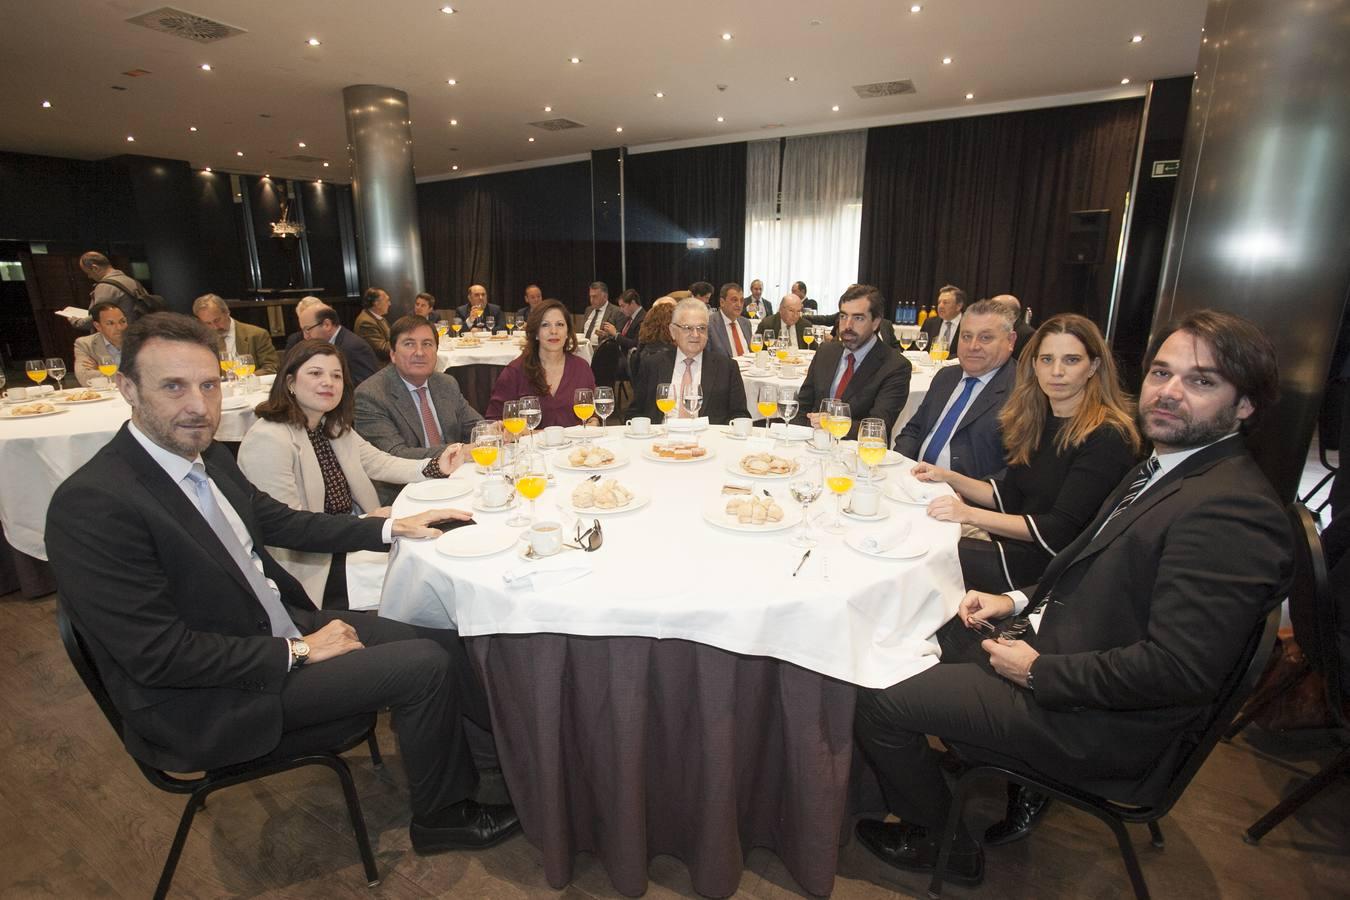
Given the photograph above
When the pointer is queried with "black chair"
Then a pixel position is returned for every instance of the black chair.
(1116, 815)
(296, 750)
(1313, 611)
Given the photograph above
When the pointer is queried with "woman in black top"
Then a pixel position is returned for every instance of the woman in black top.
(1070, 437)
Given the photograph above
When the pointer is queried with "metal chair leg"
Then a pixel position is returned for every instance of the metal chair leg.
(1306, 792)
(354, 810)
(949, 833)
(1156, 835)
(176, 848)
(376, 759)
(1130, 858)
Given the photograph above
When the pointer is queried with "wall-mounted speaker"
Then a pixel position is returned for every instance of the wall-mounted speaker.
(1087, 236)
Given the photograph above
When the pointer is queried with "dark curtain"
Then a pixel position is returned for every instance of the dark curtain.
(674, 195)
(507, 230)
(984, 203)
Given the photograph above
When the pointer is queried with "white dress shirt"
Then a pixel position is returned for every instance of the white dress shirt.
(731, 325)
(858, 356)
(950, 331)
(944, 458)
(677, 375)
(595, 319)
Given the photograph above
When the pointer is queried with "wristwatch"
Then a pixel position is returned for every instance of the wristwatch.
(299, 652)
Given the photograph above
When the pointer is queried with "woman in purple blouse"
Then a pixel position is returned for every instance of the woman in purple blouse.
(548, 368)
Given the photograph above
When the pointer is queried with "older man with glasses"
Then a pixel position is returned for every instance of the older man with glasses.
(686, 365)
(320, 322)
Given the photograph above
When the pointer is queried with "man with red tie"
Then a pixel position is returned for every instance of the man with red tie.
(728, 330)
(626, 332)
(871, 377)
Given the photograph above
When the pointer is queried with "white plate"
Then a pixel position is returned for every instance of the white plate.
(734, 467)
(912, 547)
(438, 489)
(65, 401)
(567, 442)
(236, 403)
(640, 499)
(819, 452)
(891, 491)
(580, 432)
(882, 514)
(477, 540)
(634, 436)
(620, 460)
(9, 413)
(714, 513)
(649, 452)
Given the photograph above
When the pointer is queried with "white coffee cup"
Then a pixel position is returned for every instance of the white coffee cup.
(554, 436)
(497, 492)
(741, 427)
(820, 439)
(99, 383)
(787, 370)
(866, 500)
(640, 425)
(545, 538)
(16, 393)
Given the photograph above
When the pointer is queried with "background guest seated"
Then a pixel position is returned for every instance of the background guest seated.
(320, 322)
(547, 368)
(104, 346)
(303, 452)
(424, 305)
(371, 325)
(237, 337)
(301, 305)
(652, 336)
(478, 310)
(1070, 437)
(788, 321)
(688, 363)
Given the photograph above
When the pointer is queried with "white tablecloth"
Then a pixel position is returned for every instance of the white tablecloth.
(664, 572)
(36, 455)
(490, 353)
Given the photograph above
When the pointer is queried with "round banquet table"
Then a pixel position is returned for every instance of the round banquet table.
(476, 368)
(688, 696)
(37, 454)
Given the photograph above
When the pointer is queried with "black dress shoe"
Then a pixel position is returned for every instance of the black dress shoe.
(482, 826)
(1025, 808)
(909, 847)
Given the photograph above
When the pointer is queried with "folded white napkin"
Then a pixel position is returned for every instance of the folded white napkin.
(548, 572)
(883, 541)
(916, 490)
(792, 432)
(41, 389)
(675, 424)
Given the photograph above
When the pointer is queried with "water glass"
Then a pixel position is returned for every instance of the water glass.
(805, 487)
(56, 368)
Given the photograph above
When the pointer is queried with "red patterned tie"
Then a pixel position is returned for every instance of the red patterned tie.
(428, 420)
(848, 376)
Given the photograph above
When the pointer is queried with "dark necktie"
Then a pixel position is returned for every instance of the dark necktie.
(1148, 470)
(948, 423)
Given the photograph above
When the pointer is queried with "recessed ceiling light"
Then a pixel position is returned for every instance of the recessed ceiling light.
(451, 82)
(301, 145)
(531, 140)
(834, 108)
(239, 153)
(206, 67)
(448, 10)
(548, 109)
(970, 96)
(454, 121)
(574, 60)
(619, 129)
(267, 174)
(313, 42)
(318, 181)
(726, 35)
(130, 139)
(454, 168)
(46, 104)
(206, 171)
(721, 118)
(916, 8)
(325, 165)
(192, 128)
(792, 78)
(1124, 81)
(946, 60)
(660, 95)
(1137, 39)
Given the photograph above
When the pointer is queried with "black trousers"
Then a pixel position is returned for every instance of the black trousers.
(961, 700)
(424, 675)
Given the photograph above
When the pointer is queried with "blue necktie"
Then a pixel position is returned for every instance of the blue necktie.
(282, 625)
(948, 423)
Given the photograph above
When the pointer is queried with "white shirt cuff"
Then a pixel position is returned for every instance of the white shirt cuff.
(1019, 599)
(387, 532)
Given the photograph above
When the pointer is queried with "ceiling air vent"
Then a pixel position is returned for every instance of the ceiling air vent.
(190, 26)
(884, 89)
(303, 158)
(557, 124)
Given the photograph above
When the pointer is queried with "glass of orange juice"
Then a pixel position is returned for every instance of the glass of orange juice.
(513, 419)
(106, 367)
(531, 477)
(583, 406)
(839, 478)
(837, 419)
(872, 444)
(36, 370)
(486, 445)
(665, 399)
(767, 404)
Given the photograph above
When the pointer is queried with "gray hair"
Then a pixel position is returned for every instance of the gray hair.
(209, 300)
(690, 304)
(306, 302)
(1007, 318)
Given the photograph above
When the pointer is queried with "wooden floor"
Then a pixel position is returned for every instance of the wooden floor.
(77, 820)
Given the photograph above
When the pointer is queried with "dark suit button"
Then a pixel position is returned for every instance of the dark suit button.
(264, 626)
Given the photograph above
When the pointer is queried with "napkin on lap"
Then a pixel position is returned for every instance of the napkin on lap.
(548, 572)
(885, 540)
(686, 424)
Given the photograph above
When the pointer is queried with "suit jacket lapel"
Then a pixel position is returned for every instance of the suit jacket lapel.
(863, 371)
(311, 476)
(988, 398)
(402, 401)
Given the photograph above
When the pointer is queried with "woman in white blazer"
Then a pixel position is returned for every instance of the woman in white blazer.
(303, 452)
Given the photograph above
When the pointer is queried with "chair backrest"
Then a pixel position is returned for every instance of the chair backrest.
(83, 662)
(605, 363)
(1313, 607)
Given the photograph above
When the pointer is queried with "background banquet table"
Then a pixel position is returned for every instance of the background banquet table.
(689, 696)
(37, 454)
(476, 368)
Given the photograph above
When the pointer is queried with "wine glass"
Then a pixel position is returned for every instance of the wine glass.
(531, 477)
(56, 368)
(513, 418)
(456, 324)
(756, 342)
(491, 322)
(787, 407)
(767, 337)
(691, 401)
(485, 445)
(604, 405)
(809, 335)
(921, 341)
(107, 366)
(767, 404)
(665, 399)
(533, 413)
(583, 407)
(442, 329)
(244, 367)
(36, 370)
(805, 488)
(510, 321)
(940, 350)
(838, 421)
(872, 444)
(839, 477)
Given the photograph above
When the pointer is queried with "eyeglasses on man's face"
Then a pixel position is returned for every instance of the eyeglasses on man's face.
(691, 329)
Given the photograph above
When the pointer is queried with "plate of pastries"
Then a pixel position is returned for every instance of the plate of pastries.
(83, 395)
(605, 497)
(30, 410)
(591, 459)
(677, 452)
(755, 512)
(764, 465)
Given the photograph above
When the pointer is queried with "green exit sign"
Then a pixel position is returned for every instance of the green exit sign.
(1166, 168)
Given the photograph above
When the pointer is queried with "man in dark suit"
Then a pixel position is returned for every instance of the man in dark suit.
(321, 322)
(409, 409)
(1151, 609)
(599, 311)
(478, 310)
(799, 288)
(858, 368)
(1020, 327)
(956, 425)
(689, 363)
(210, 650)
(301, 305)
(728, 330)
(424, 305)
(946, 325)
(788, 320)
(625, 334)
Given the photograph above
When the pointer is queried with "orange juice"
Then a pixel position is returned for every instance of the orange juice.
(531, 486)
(840, 484)
(583, 411)
(665, 404)
(227, 365)
(938, 355)
(484, 455)
(457, 327)
(243, 371)
(756, 346)
(39, 376)
(767, 408)
(109, 370)
(809, 339)
(836, 425)
(781, 354)
(515, 426)
(872, 452)
(509, 326)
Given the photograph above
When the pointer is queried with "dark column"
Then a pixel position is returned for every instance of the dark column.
(607, 215)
